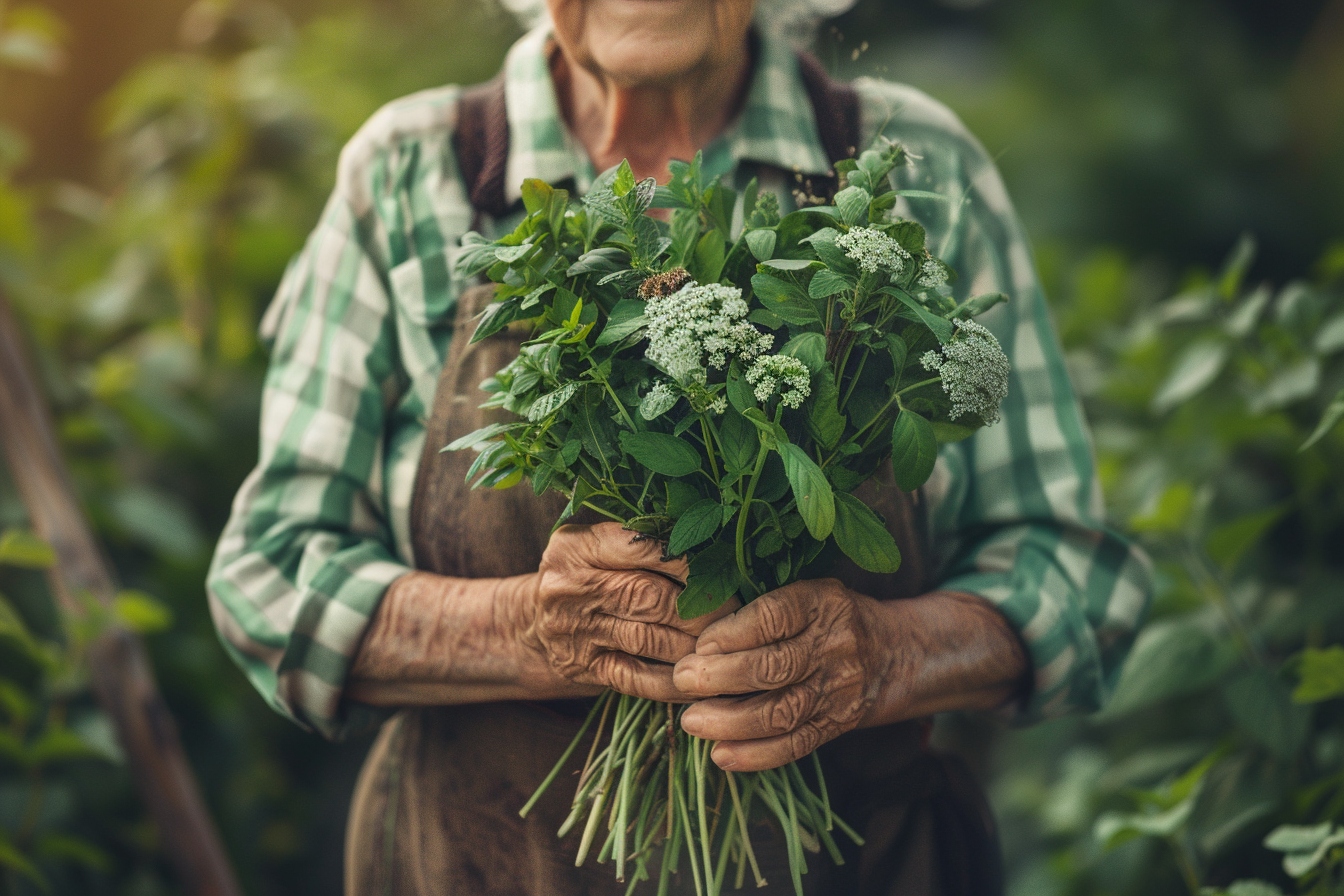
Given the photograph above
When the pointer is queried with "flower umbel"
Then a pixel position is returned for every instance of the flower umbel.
(873, 250)
(700, 327)
(932, 275)
(782, 375)
(974, 370)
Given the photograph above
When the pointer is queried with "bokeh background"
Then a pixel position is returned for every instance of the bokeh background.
(1179, 165)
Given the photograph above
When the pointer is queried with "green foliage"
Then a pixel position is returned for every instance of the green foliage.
(1201, 405)
(640, 371)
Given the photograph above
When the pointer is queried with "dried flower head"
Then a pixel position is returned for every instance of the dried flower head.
(873, 250)
(782, 375)
(664, 284)
(700, 327)
(974, 371)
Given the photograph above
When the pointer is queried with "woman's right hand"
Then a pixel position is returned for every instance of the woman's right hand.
(606, 611)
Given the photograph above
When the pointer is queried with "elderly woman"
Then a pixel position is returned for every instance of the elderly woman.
(359, 577)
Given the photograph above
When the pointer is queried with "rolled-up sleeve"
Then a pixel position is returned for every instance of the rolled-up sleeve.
(1016, 509)
(307, 553)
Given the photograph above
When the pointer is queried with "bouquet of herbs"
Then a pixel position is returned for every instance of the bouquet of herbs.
(722, 381)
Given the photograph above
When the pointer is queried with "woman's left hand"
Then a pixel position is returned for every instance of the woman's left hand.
(816, 651)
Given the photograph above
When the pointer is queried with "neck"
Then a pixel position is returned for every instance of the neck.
(650, 124)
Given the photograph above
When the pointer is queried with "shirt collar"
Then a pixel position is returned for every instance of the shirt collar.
(777, 126)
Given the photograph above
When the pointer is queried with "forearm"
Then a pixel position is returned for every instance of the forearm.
(436, 640)
(957, 652)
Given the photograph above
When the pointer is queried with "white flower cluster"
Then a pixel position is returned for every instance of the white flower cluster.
(873, 250)
(783, 375)
(700, 327)
(974, 370)
(932, 275)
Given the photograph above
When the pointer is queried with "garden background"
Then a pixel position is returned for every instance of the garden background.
(1180, 168)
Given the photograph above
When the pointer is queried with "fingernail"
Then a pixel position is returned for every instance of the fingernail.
(708, 648)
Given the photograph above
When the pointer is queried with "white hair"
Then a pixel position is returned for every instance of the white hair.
(795, 20)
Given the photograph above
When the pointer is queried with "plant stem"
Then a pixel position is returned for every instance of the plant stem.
(741, 537)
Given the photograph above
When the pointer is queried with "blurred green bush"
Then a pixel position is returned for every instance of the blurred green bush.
(1162, 128)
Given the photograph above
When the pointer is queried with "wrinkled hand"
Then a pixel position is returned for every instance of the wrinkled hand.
(816, 651)
(606, 611)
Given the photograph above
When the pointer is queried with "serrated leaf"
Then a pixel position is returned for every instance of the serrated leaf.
(940, 327)
(660, 452)
(696, 525)
(914, 450)
(825, 423)
(624, 180)
(863, 537)
(811, 490)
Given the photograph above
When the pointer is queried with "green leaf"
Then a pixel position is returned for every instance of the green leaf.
(1298, 838)
(1114, 828)
(1320, 674)
(863, 537)
(827, 283)
(626, 319)
(712, 581)
(1170, 658)
(785, 300)
(496, 317)
(660, 452)
(141, 613)
(709, 258)
(816, 501)
(810, 348)
(624, 181)
(1196, 368)
(1228, 543)
(697, 524)
(761, 243)
(922, 194)
(548, 404)
(940, 327)
(1252, 887)
(536, 195)
(853, 204)
(484, 434)
(1329, 420)
(825, 423)
(737, 440)
(11, 858)
(791, 265)
(978, 305)
(1262, 706)
(19, 547)
(914, 450)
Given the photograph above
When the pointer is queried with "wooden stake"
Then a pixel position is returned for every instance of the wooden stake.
(119, 670)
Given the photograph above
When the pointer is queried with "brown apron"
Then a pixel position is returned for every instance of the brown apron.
(435, 812)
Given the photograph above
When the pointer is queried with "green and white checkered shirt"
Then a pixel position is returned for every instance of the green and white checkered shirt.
(361, 325)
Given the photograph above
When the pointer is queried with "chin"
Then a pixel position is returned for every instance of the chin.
(649, 41)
